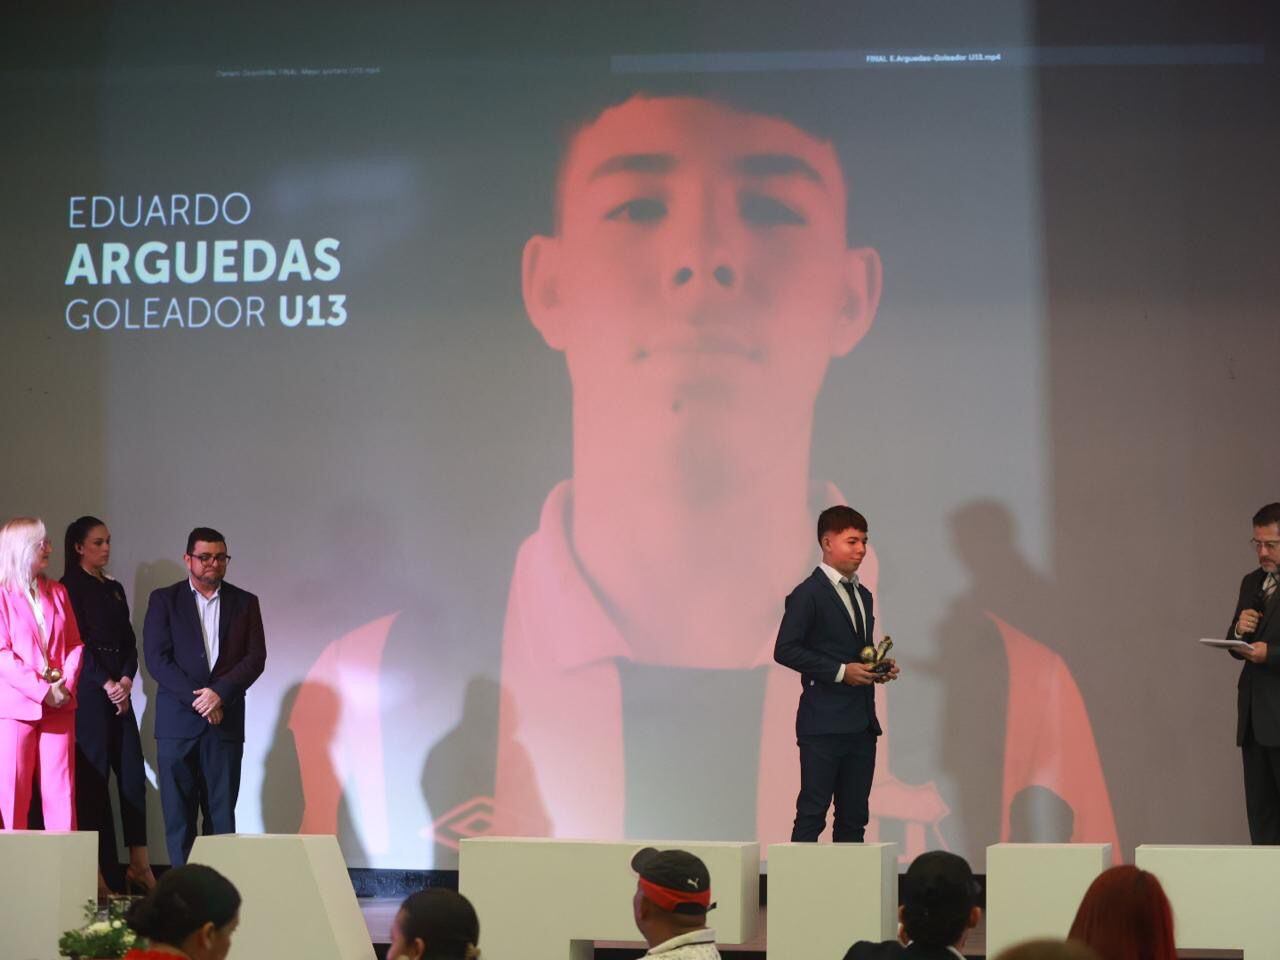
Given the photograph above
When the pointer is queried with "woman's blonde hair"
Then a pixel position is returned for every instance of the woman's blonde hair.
(20, 540)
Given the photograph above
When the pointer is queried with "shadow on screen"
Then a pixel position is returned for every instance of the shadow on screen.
(284, 797)
(1038, 815)
(974, 668)
(458, 774)
(148, 577)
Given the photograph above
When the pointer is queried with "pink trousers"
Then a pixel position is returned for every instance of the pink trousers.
(51, 743)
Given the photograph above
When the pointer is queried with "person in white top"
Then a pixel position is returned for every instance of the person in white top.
(673, 895)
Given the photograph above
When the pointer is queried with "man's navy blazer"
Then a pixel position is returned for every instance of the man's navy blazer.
(816, 639)
(173, 645)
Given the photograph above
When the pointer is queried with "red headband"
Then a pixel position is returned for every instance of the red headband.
(669, 899)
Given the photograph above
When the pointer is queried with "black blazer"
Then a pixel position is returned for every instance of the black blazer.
(102, 612)
(174, 649)
(893, 950)
(815, 639)
(1258, 690)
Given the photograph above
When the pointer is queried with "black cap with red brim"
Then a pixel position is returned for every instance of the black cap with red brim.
(674, 880)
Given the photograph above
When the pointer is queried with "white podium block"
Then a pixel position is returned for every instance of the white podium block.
(1223, 897)
(47, 879)
(541, 899)
(825, 896)
(296, 896)
(1034, 889)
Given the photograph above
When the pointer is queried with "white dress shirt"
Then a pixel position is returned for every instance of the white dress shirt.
(836, 577)
(210, 611)
(37, 611)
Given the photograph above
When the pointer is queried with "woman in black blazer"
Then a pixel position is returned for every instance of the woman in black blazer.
(106, 728)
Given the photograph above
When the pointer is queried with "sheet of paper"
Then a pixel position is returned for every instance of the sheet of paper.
(1225, 644)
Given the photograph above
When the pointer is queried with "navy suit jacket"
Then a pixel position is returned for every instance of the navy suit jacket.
(815, 639)
(173, 645)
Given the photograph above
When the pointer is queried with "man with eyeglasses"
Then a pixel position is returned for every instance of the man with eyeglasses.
(1258, 700)
(204, 645)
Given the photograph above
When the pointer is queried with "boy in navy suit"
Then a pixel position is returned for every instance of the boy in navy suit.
(827, 621)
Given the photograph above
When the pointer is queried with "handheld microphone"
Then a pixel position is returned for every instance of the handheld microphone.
(1259, 600)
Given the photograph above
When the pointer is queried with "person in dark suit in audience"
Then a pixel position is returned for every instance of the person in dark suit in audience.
(204, 645)
(827, 621)
(106, 727)
(1258, 697)
(939, 908)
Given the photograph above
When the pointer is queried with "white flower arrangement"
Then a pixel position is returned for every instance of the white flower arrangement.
(104, 935)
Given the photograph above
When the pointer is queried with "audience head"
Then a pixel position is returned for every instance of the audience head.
(193, 908)
(1047, 950)
(1125, 915)
(940, 900)
(74, 552)
(437, 924)
(673, 893)
(24, 552)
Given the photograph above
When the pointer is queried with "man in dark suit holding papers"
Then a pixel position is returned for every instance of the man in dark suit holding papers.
(1258, 703)
(827, 621)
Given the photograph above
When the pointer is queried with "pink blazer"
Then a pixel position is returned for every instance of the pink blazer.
(22, 688)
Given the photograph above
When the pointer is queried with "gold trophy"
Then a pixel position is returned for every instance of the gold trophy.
(52, 674)
(875, 658)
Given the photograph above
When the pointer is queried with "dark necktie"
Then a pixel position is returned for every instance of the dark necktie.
(859, 628)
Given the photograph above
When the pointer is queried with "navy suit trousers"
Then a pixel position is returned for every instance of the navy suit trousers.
(197, 774)
(838, 765)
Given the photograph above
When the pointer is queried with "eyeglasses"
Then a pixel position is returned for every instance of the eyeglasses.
(1268, 545)
(211, 558)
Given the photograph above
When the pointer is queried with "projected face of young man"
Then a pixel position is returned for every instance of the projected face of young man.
(699, 279)
(699, 282)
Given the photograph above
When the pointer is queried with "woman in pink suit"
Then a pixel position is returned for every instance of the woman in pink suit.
(40, 654)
